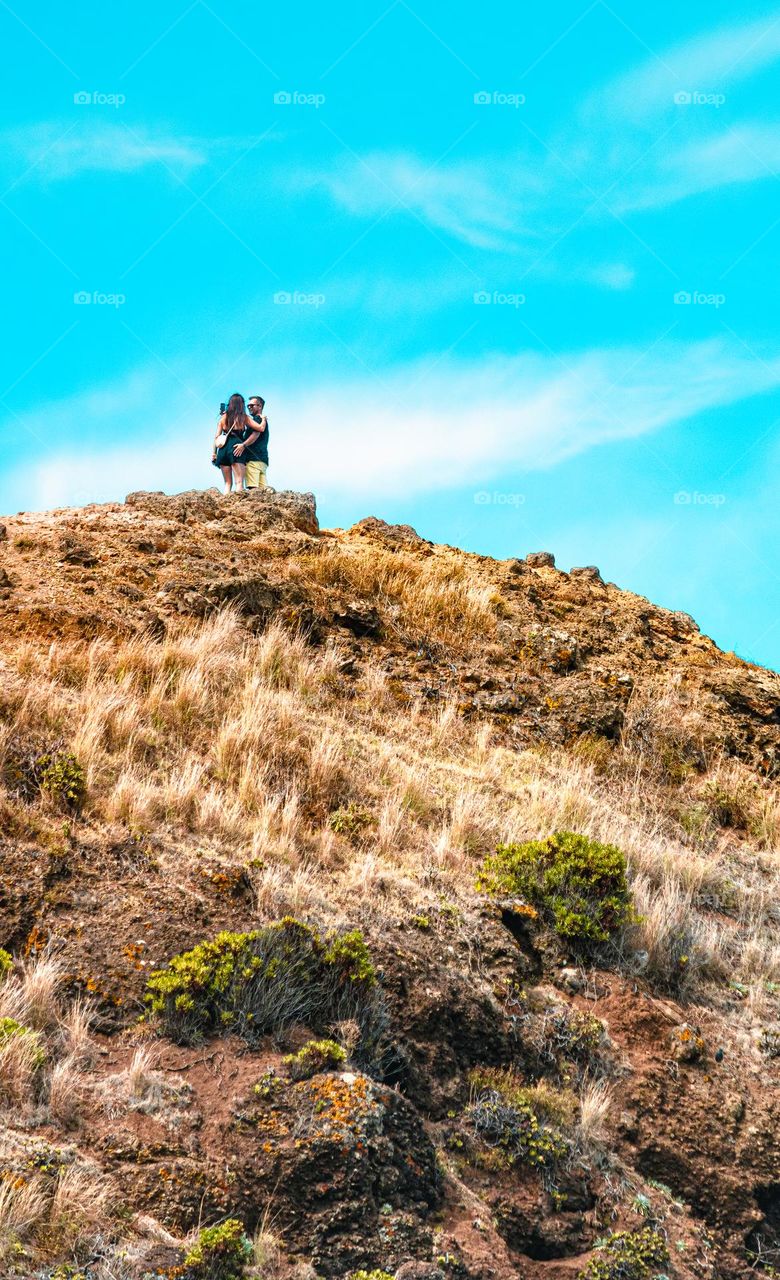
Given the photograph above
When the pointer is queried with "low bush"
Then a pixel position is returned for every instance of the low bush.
(566, 1043)
(221, 1253)
(6, 963)
(31, 770)
(628, 1255)
(525, 1125)
(350, 821)
(62, 779)
(314, 1057)
(258, 983)
(577, 885)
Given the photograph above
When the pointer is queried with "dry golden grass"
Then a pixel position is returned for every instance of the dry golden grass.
(430, 598)
(595, 1106)
(66, 1093)
(22, 1206)
(58, 1215)
(250, 744)
(19, 1067)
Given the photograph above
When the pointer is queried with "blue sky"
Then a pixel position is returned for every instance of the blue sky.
(510, 277)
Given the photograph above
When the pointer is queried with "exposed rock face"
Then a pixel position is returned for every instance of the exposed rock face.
(283, 511)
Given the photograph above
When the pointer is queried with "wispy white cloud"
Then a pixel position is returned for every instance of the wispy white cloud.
(458, 198)
(429, 425)
(745, 153)
(710, 63)
(629, 139)
(53, 151)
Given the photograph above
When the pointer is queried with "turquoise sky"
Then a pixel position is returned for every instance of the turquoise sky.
(508, 276)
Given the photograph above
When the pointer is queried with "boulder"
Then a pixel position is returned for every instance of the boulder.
(540, 560)
(588, 571)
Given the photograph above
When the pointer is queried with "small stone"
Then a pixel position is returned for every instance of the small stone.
(570, 980)
(541, 560)
(687, 1043)
(3, 533)
(418, 1271)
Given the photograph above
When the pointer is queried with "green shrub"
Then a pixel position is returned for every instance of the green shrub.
(370, 1275)
(10, 1029)
(314, 1057)
(526, 1126)
(257, 983)
(628, 1255)
(221, 1253)
(62, 778)
(350, 821)
(6, 963)
(577, 885)
(33, 767)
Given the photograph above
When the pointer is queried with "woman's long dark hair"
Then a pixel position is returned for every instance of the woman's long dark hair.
(235, 414)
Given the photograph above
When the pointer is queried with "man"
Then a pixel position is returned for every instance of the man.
(255, 447)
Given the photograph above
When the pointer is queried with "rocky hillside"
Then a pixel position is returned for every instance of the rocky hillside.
(372, 907)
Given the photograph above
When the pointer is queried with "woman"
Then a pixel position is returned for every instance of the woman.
(234, 429)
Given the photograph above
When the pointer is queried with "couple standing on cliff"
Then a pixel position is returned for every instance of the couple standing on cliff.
(241, 445)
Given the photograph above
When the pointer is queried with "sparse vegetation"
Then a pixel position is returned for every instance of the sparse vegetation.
(628, 1255)
(316, 1056)
(525, 1125)
(220, 1253)
(565, 1043)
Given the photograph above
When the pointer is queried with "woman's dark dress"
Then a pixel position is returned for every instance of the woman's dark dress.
(225, 456)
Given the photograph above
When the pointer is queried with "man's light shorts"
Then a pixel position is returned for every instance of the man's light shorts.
(255, 475)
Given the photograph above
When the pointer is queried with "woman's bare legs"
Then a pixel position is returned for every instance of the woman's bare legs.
(227, 476)
(239, 475)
